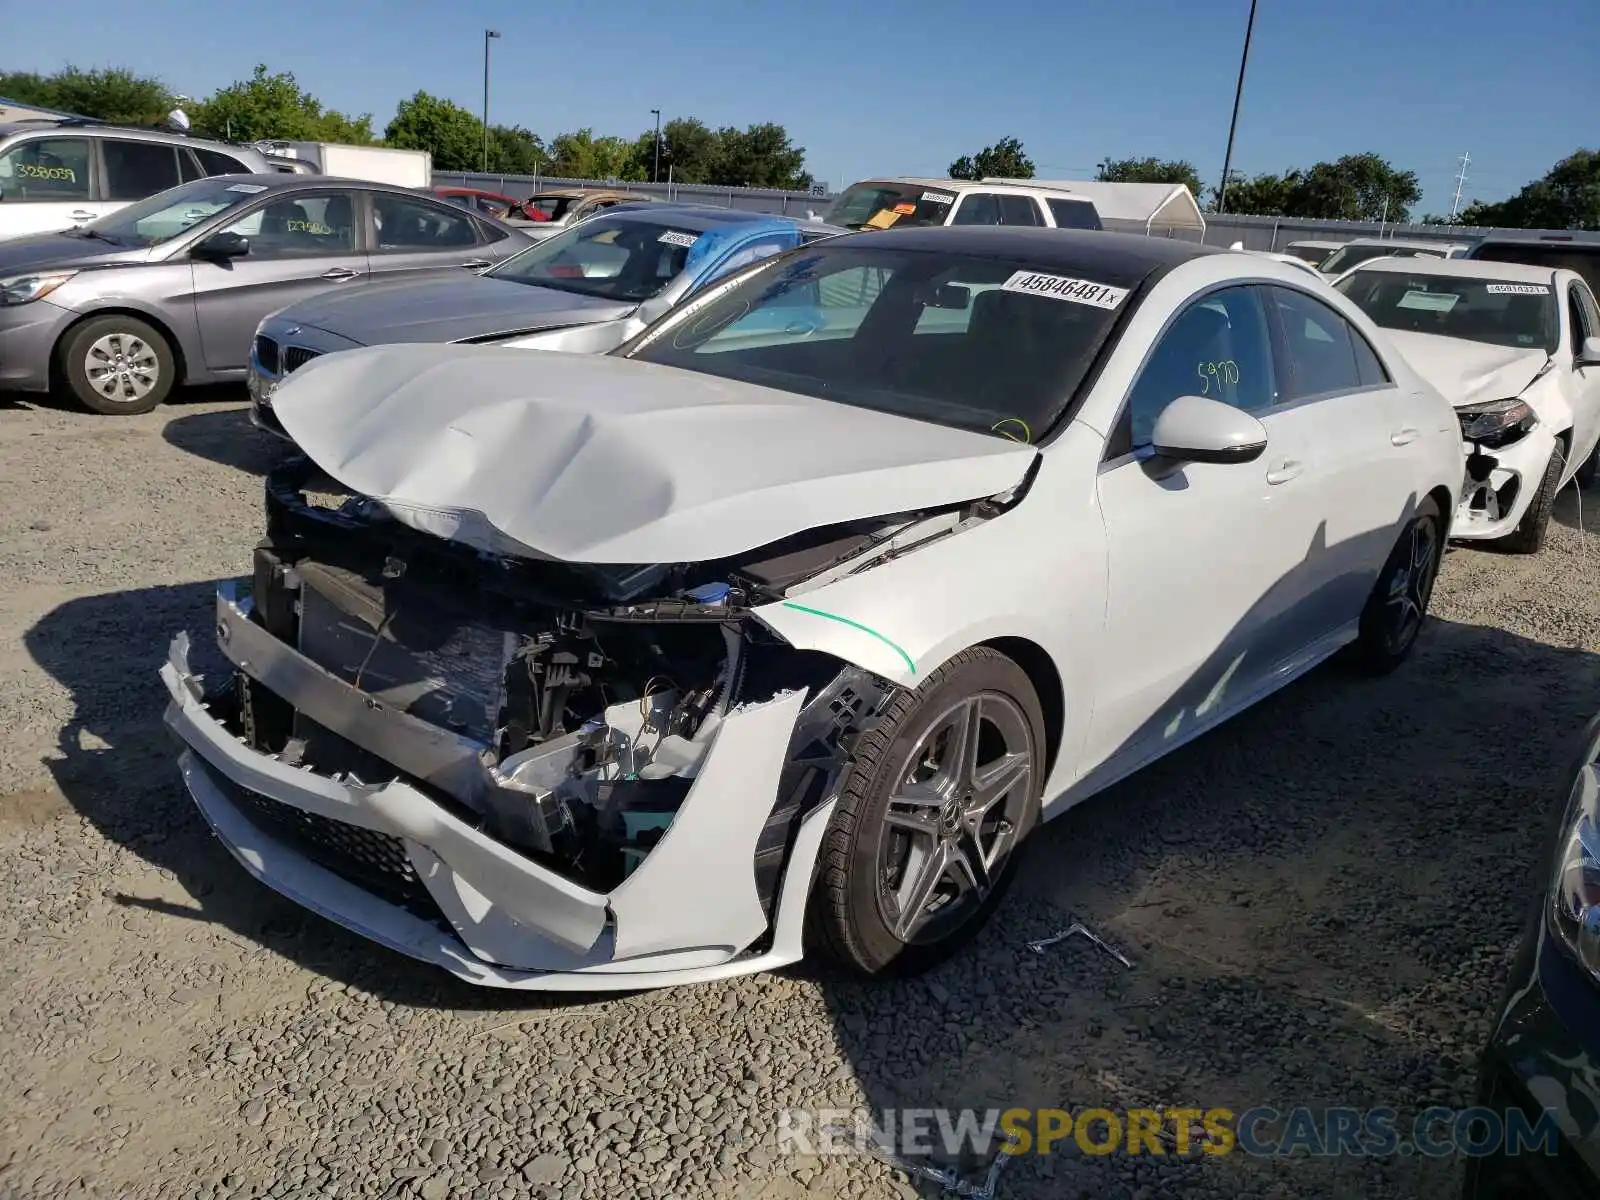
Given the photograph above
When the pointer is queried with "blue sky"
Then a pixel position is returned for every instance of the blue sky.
(904, 87)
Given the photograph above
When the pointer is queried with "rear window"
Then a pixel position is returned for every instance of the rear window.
(1494, 311)
(1346, 257)
(1584, 259)
(880, 205)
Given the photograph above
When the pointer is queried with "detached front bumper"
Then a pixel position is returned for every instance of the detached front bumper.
(397, 866)
(1493, 507)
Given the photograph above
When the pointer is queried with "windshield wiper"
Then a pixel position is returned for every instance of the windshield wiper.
(85, 232)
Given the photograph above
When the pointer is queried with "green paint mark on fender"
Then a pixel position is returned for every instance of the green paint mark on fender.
(817, 612)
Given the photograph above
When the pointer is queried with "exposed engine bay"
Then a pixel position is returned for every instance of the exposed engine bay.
(562, 708)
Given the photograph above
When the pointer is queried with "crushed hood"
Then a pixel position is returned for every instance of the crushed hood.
(444, 310)
(606, 460)
(1469, 372)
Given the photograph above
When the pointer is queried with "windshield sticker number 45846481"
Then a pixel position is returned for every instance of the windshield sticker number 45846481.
(1061, 287)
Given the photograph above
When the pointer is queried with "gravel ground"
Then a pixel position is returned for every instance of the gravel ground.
(1321, 900)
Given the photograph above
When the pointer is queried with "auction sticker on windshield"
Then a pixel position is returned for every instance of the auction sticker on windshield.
(249, 189)
(938, 198)
(1061, 287)
(1428, 301)
(673, 238)
(1517, 289)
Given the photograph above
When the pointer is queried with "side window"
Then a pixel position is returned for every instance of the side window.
(189, 166)
(458, 201)
(46, 169)
(1074, 214)
(491, 233)
(977, 208)
(301, 226)
(219, 164)
(1321, 346)
(744, 256)
(1591, 310)
(405, 224)
(135, 170)
(1217, 347)
(1019, 210)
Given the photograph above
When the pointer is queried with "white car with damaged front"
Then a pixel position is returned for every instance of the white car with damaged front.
(796, 614)
(1517, 350)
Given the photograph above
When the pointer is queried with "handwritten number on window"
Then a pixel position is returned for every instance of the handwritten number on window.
(1218, 375)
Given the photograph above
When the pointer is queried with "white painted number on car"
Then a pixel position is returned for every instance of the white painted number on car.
(938, 198)
(673, 238)
(1517, 289)
(1060, 287)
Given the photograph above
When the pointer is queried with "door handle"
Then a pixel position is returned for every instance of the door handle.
(82, 215)
(475, 264)
(1404, 437)
(339, 273)
(1288, 469)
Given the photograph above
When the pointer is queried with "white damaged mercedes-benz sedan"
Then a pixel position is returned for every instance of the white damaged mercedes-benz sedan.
(786, 623)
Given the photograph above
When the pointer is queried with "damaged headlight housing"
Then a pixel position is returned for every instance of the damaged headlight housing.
(1575, 890)
(23, 289)
(1496, 422)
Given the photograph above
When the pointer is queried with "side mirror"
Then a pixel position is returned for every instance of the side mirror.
(220, 247)
(1196, 429)
(1589, 353)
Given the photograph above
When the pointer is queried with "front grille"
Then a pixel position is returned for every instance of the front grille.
(297, 356)
(371, 860)
(267, 355)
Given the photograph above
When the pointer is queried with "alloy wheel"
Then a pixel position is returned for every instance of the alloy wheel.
(1410, 585)
(952, 818)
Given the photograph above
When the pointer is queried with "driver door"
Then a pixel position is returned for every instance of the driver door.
(1204, 560)
(300, 244)
(1583, 317)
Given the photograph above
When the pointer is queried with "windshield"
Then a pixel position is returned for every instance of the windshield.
(162, 217)
(1497, 312)
(1346, 257)
(975, 343)
(880, 205)
(613, 257)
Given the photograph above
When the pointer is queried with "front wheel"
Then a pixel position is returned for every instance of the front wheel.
(1528, 537)
(1398, 604)
(936, 802)
(117, 365)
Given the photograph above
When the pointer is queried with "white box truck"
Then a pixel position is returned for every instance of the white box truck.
(381, 164)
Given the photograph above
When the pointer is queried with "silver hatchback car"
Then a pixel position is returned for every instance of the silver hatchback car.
(170, 290)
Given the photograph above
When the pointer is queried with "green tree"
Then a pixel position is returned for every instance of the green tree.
(688, 151)
(759, 156)
(108, 93)
(275, 106)
(1357, 187)
(1264, 195)
(1151, 170)
(1565, 197)
(442, 127)
(581, 155)
(514, 150)
(1003, 160)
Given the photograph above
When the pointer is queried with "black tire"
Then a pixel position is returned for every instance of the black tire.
(1389, 627)
(1528, 537)
(1586, 474)
(853, 884)
(125, 395)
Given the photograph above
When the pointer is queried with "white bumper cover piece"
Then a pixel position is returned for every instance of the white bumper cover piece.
(689, 913)
(1481, 514)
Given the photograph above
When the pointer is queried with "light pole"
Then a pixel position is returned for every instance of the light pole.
(655, 171)
(1238, 92)
(487, 35)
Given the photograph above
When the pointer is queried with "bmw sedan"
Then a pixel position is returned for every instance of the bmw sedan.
(168, 291)
(790, 620)
(586, 290)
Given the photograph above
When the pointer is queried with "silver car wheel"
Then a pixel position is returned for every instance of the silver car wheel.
(952, 820)
(122, 367)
